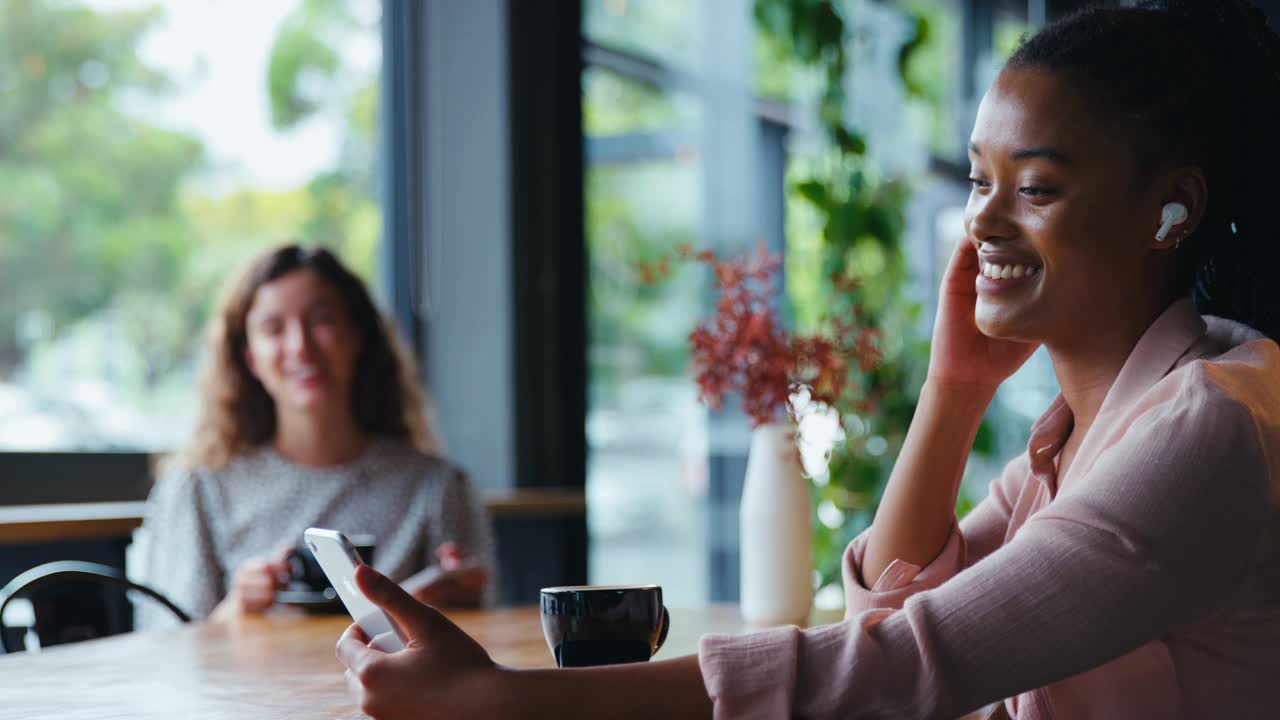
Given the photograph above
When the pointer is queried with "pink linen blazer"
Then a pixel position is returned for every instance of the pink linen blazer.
(1143, 585)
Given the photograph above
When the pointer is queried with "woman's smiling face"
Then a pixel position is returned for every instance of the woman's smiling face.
(302, 344)
(1062, 223)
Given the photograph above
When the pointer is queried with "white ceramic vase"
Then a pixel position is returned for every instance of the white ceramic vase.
(776, 531)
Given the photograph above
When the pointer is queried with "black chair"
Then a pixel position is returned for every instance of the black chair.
(77, 612)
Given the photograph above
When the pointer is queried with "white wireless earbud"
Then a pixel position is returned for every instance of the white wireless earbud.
(1171, 214)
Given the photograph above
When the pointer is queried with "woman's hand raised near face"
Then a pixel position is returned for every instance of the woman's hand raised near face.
(961, 354)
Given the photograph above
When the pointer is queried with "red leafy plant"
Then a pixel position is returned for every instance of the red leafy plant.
(743, 348)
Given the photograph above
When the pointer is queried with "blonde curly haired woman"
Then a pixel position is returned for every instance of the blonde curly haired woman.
(311, 414)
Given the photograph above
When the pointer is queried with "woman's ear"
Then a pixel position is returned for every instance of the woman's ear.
(1185, 186)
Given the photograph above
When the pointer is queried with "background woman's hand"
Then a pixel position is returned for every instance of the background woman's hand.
(455, 582)
(961, 354)
(442, 671)
(254, 585)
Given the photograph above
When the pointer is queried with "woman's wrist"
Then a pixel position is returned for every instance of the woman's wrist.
(670, 689)
(227, 609)
(497, 694)
(960, 395)
(510, 693)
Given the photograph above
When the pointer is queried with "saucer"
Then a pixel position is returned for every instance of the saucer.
(312, 601)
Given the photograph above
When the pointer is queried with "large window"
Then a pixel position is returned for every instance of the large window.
(700, 125)
(147, 149)
(646, 432)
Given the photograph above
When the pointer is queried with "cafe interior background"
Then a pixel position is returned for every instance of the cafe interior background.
(505, 175)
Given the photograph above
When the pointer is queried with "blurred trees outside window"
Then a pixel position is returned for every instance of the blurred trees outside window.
(147, 150)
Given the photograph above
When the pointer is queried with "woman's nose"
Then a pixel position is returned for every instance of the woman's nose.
(987, 216)
(298, 339)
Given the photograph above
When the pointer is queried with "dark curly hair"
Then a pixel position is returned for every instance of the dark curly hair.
(237, 414)
(1197, 82)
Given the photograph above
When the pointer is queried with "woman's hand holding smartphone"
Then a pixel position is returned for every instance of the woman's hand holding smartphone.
(339, 559)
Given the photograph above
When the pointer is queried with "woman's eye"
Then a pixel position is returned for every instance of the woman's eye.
(323, 320)
(1035, 191)
(978, 182)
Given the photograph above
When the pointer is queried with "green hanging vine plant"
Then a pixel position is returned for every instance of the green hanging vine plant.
(864, 272)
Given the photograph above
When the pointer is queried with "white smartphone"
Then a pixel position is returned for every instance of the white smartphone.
(338, 558)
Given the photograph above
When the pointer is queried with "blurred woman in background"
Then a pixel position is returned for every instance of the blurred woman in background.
(311, 415)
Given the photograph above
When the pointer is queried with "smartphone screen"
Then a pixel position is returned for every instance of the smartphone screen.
(338, 558)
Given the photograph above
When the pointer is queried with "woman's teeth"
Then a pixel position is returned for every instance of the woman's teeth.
(1005, 272)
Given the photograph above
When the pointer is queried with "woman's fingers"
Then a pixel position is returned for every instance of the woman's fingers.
(418, 621)
(257, 587)
(280, 567)
(256, 599)
(450, 555)
(354, 630)
(476, 577)
(965, 256)
(283, 553)
(353, 685)
(968, 254)
(458, 588)
(256, 580)
(255, 584)
(354, 651)
(962, 270)
(471, 579)
(439, 663)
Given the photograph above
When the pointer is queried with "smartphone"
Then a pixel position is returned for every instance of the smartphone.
(339, 559)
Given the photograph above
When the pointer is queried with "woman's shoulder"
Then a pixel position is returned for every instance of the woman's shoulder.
(180, 487)
(185, 479)
(385, 460)
(1228, 398)
(252, 464)
(1243, 368)
(1193, 459)
(179, 474)
(1240, 368)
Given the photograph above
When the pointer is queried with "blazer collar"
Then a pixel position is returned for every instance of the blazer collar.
(1172, 336)
(1158, 351)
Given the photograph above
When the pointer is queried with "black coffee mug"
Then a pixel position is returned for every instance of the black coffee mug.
(604, 625)
(305, 573)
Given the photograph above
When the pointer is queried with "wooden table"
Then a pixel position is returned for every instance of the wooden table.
(277, 667)
(274, 667)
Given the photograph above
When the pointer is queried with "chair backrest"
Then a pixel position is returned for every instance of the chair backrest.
(69, 601)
